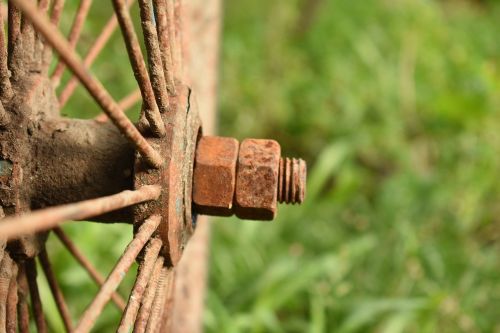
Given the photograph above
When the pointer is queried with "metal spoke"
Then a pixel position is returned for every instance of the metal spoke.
(14, 27)
(55, 289)
(159, 301)
(74, 36)
(148, 298)
(92, 54)
(145, 270)
(171, 26)
(11, 315)
(48, 218)
(43, 5)
(87, 265)
(36, 303)
(22, 303)
(125, 103)
(154, 57)
(166, 317)
(139, 68)
(160, 9)
(5, 86)
(179, 50)
(57, 9)
(116, 276)
(6, 270)
(95, 88)
(3, 11)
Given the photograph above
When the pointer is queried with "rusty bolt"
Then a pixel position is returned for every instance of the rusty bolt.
(257, 179)
(214, 175)
(249, 182)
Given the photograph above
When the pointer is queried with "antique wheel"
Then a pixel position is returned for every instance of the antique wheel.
(54, 169)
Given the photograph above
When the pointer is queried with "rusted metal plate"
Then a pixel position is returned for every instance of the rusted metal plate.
(174, 176)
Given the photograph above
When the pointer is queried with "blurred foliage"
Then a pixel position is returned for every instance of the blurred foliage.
(394, 104)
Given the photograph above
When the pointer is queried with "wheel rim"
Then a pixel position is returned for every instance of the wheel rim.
(159, 83)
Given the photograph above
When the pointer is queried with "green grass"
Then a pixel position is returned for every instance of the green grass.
(395, 106)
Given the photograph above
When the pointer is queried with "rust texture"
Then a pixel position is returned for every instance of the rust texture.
(6, 271)
(160, 11)
(57, 9)
(5, 85)
(175, 177)
(248, 181)
(48, 218)
(74, 35)
(155, 315)
(87, 265)
(214, 177)
(143, 276)
(36, 302)
(55, 289)
(292, 181)
(22, 303)
(11, 307)
(148, 298)
(94, 87)
(91, 55)
(128, 257)
(150, 107)
(257, 179)
(154, 58)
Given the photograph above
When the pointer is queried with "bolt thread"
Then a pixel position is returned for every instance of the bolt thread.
(292, 180)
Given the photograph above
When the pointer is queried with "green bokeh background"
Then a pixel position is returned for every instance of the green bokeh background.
(395, 106)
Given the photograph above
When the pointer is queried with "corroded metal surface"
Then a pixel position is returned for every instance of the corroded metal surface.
(174, 177)
(128, 257)
(214, 176)
(292, 181)
(248, 180)
(257, 179)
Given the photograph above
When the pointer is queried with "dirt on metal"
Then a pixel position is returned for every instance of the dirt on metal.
(214, 177)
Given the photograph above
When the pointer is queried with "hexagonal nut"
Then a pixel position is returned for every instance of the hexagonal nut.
(257, 179)
(214, 175)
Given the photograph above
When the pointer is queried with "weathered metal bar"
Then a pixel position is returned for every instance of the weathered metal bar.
(171, 26)
(148, 298)
(160, 11)
(48, 218)
(143, 276)
(6, 265)
(43, 5)
(5, 86)
(3, 11)
(94, 87)
(125, 104)
(14, 29)
(55, 289)
(154, 57)
(139, 68)
(92, 54)
(159, 301)
(36, 302)
(180, 41)
(11, 315)
(87, 265)
(57, 9)
(22, 303)
(74, 36)
(116, 276)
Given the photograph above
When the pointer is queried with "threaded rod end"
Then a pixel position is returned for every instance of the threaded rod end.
(292, 180)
